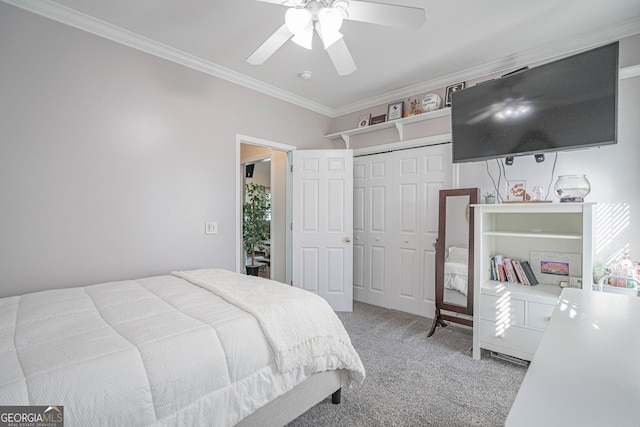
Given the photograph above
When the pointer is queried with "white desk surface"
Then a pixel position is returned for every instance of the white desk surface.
(586, 371)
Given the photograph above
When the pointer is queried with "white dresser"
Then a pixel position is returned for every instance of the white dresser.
(510, 318)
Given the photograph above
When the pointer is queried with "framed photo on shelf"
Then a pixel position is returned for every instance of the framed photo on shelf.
(555, 267)
(394, 111)
(516, 191)
(364, 120)
(378, 119)
(450, 89)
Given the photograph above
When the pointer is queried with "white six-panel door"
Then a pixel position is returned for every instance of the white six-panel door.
(395, 226)
(372, 228)
(322, 218)
(360, 167)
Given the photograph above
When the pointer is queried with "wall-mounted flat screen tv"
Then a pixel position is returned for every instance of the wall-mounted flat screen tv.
(566, 104)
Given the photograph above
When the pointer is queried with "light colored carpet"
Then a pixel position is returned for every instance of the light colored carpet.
(413, 380)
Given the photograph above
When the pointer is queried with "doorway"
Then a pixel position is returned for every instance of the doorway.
(323, 202)
(270, 169)
(258, 172)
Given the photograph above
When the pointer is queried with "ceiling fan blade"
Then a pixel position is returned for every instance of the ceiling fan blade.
(386, 14)
(280, 2)
(269, 47)
(341, 58)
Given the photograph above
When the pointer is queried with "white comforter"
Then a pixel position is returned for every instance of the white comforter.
(157, 351)
(455, 276)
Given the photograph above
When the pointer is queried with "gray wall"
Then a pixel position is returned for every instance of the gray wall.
(111, 160)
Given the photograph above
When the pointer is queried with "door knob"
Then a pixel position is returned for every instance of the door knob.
(347, 239)
(377, 239)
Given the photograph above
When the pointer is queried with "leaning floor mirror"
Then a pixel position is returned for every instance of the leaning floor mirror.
(454, 257)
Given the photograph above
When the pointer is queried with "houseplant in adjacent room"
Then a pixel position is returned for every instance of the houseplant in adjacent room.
(255, 227)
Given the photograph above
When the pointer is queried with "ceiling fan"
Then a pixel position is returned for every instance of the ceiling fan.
(326, 16)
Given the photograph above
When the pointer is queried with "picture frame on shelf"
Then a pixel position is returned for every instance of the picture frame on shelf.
(364, 120)
(450, 90)
(394, 110)
(555, 267)
(516, 190)
(378, 119)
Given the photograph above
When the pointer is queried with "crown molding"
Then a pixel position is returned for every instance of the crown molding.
(532, 57)
(629, 72)
(114, 33)
(536, 56)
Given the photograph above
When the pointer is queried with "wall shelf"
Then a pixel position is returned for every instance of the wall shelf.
(398, 124)
(566, 236)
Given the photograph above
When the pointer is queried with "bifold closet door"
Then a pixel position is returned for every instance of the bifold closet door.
(396, 224)
(372, 234)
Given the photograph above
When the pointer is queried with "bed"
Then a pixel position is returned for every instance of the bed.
(456, 270)
(202, 347)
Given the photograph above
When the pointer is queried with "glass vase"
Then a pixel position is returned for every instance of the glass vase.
(572, 188)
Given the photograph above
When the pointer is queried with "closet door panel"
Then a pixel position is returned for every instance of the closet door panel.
(430, 192)
(436, 175)
(358, 273)
(377, 269)
(406, 243)
(372, 209)
(378, 233)
(359, 228)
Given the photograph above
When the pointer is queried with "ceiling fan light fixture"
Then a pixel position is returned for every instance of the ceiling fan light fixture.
(326, 16)
(304, 38)
(329, 23)
(298, 20)
(342, 5)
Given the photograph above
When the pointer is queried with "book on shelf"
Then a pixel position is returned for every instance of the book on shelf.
(511, 270)
(528, 271)
(492, 269)
(500, 273)
(517, 265)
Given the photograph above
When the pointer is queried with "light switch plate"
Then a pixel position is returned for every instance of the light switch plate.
(210, 227)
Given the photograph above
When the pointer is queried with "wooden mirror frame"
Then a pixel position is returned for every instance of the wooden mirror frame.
(466, 312)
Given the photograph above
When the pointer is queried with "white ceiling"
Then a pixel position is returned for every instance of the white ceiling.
(461, 39)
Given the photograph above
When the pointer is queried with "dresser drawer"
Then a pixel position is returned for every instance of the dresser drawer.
(538, 315)
(503, 308)
(521, 340)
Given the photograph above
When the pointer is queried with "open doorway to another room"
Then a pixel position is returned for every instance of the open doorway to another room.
(268, 167)
(259, 173)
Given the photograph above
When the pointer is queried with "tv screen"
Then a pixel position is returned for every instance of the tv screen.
(565, 104)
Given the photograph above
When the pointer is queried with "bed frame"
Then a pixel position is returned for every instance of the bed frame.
(299, 400)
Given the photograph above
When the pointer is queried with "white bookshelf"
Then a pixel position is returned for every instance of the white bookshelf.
(510, 318)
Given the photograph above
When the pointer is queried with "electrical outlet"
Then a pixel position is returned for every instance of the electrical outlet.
(210, 227)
